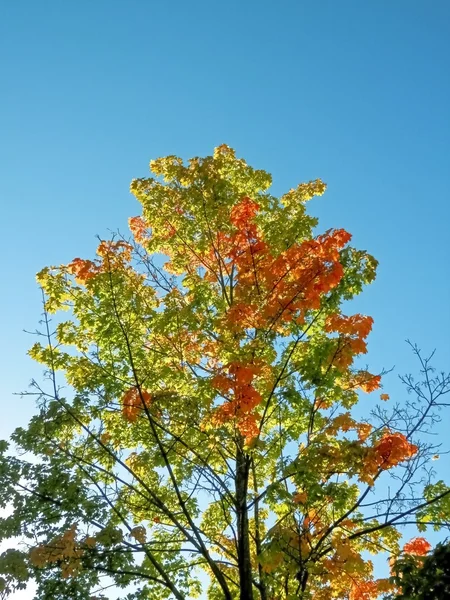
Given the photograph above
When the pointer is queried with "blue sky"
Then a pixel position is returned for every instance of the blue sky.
(357, 93)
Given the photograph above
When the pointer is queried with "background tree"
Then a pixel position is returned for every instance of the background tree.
(424, 578)
(199, 413)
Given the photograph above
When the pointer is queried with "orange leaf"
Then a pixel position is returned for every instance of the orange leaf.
(417, 546)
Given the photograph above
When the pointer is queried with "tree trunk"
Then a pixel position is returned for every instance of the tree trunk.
(245, 566)
(262, 585)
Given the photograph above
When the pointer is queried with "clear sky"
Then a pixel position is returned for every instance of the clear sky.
(357, 93)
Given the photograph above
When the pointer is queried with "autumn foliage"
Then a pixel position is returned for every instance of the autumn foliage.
(417, 546)
(210, 424)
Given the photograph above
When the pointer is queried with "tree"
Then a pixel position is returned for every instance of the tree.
(424, 578)
(198, 416)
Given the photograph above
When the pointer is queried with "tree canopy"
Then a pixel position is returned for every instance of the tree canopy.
(425, 579)
(196, 432)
